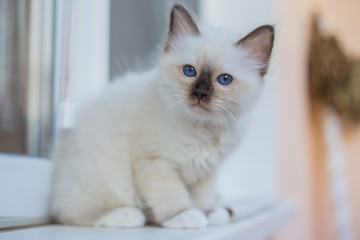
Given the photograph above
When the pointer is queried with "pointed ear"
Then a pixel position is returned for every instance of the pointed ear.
(181, 24)
(259, 44)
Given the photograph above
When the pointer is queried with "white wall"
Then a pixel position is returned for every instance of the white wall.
(250, 171)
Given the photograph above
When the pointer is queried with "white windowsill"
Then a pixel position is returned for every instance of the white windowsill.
(256, 227)
(24, 190)
(26, 184)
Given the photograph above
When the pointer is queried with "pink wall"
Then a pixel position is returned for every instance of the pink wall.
(302, 174)
(294, 152)
(342, 18)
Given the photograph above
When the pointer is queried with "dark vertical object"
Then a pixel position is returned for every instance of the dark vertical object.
(136, 28)
(13, 55)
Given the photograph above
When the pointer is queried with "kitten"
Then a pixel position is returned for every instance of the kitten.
(147, 149)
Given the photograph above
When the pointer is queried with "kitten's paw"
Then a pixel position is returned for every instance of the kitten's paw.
(191, 218)
(122, 217)
(219, 216)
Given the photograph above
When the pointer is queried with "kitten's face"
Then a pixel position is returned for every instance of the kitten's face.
(209, 74)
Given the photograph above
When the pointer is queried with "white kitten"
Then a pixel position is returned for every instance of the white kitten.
(147, 149)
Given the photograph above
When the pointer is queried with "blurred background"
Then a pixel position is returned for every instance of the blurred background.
(304, 141)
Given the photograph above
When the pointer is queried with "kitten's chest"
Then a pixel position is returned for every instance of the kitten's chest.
(201, 152)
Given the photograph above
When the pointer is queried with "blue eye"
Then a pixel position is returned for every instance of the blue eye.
(189, 71)
(225, 79)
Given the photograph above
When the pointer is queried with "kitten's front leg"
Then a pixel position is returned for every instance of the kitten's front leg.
(164, 192)
(205, 198)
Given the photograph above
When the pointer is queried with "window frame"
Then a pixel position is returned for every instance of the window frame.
(21, 173)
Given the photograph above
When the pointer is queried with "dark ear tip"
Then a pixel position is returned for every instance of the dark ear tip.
(269, 28)
(177, 7)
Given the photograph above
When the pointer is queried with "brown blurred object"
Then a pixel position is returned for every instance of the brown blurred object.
(334, 79)
(334, 83)
(303, 176)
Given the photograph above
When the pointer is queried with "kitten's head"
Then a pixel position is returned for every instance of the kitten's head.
(209, 74)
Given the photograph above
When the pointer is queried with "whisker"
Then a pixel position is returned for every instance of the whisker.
(218, 121)
(174, 97)
(173, 105)
(229, 107)
(233, 117)
(227, 124)
(223, 118)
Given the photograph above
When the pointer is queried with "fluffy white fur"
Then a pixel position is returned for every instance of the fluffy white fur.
(143, 150)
